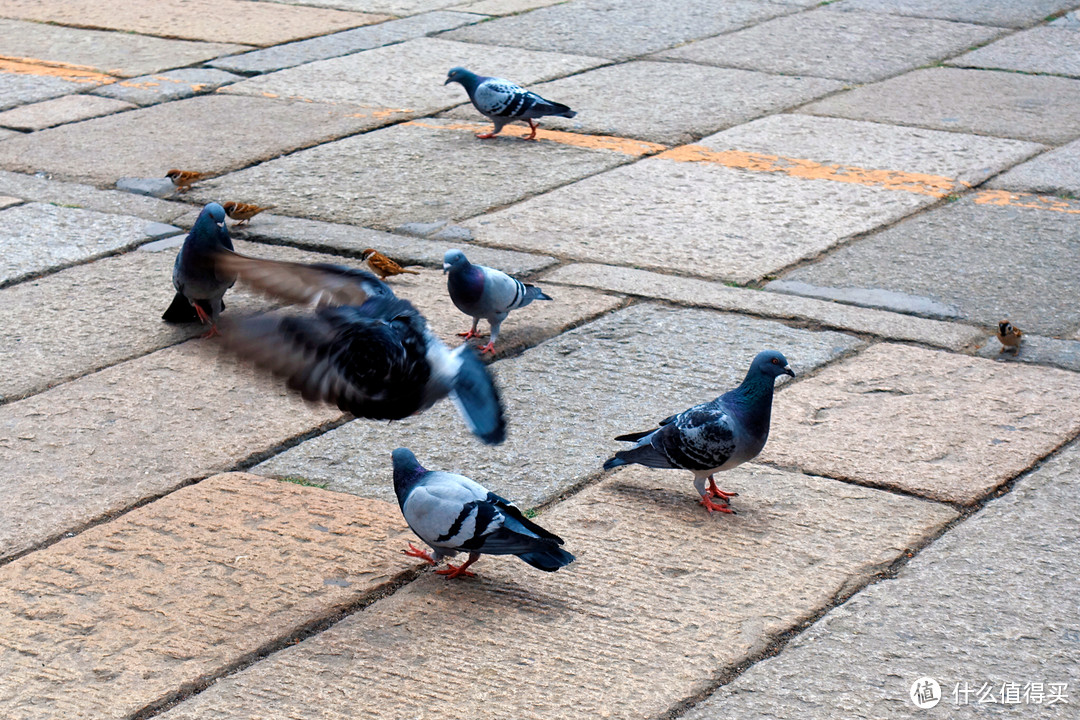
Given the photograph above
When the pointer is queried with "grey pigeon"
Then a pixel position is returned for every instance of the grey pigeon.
(484, 292)
(361, 347)
(200, 284)
(504, 102)
(713, 436)
(452, 514)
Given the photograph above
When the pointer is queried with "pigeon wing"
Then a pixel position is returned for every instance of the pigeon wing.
(700, 438)
(317, 284)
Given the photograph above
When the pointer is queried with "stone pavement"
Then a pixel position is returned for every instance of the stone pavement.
(868, 186)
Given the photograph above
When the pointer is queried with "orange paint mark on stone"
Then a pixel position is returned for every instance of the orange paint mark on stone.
(270, 95)
(591, 142)
(65, 71)
(919, 183)
(1027, 200)
(388, 112)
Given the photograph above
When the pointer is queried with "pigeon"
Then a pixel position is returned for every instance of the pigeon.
(361, 347)
(713, 436)
(504, 102)
(183, 179)
(484, 292)
(1009, 336)
(243, 212)
(200, 284)
(452, 513)
(383, 266)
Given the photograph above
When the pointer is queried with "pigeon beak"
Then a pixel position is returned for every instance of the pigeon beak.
(445, 268)
(448, 81)
(789, 371)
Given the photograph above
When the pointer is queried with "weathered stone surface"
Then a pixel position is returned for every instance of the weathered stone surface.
(343, 43)
(1030, 107)
(1057, 172)
(5, 134)
(827, 42)
(159, 187)
(90, 198)
(688, 291)
(120, 54)
(1035, 349)
(68, 108)
(393, 7)
(1070, 20)
(504, 7)
(248, 23)
(166, 86)
(621, 99)
(566, 399)
(1006, 568)
(987, 259)
(1044, 49)
(37, 238)
(22, 88)
(1008, 13)
(6, 202)
(361, 79)
(128, 613)
(644, 618)
(871, 297)
(149, 141)
(416, 172)
(617, 29)
(945, 426)
(104, 442)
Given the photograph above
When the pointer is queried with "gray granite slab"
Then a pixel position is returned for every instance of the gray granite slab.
(69, 108)
(38, 237)
(855, 46)
(1056, 172)
(1035, 349)
(1030, 107)
(991, 261)
(574, 393)
(344, 43)
(989, 603)
(22, 88)
(1047, 49)
(166, 86)
(503, 7)
(47, 190)
(1006, 13)
(618, 28)
(1070, 20)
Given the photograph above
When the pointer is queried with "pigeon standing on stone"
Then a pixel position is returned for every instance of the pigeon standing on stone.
(713, 436)
(484, 292)
(200, 284)
(452, 514)
(362, 348)
(504, 102)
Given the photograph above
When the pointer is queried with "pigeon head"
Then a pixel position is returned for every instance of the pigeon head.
(467, 79)
(771, 364)
(407, 471)
(212, 212)
(210, 226)
(454, 259)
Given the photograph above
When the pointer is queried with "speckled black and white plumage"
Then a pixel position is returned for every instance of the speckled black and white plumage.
(503, 102)
(198, 281)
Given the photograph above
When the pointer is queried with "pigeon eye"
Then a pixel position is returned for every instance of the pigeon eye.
(775, 361)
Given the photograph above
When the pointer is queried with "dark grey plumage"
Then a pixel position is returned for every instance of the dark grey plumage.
(503, 102)
(200, 284)
(452, 514)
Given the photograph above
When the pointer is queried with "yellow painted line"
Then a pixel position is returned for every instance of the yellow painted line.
(65, 71)
(918, 183)
(1026, 200)
(625, 146)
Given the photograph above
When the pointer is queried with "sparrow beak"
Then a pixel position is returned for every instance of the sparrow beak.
(789, 371)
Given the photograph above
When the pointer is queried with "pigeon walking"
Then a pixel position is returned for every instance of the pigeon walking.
(504, 102)
(452, 514)
(484, 292)
(713, 436)
(200, 284)
(361, 348)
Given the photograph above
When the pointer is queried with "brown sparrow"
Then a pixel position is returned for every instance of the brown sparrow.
(383, 266)
(244, 211)
(183, 179)
(1009, 336)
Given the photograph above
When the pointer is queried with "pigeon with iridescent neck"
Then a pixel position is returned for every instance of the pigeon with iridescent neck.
(200, 283)
(503, 102)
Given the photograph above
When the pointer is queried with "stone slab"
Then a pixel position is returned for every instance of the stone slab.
(167, 86)
(128, 613)
(149, 141)
(1035, 349)
(1006, 13)
(392, 7)
(44, 189)
(1070, 20)
(69, 108)
(6, 201)
(18, 88)
(97, 445)
(248, 23)
(621, 99)
(5, 134)
(159, 187)
(361, 79)
(826, 42)
(1003, 569)
(988, 260)
(504, 7)
(617, 29)
(699, 293)
(944, 426)
(113, 53)
(645, 617)
(1045, 49)
(1041, 108)
(415, 172)
(1056, 172)
(37, 238)
(345, 42)
(622, 372)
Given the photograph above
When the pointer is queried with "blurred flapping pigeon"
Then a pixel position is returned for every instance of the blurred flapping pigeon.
(453, 514)
(504, 102)
(200, 284)
(485, 293)
(361, 348)
(713, 436)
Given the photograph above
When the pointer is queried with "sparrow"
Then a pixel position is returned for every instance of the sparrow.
(183, 179)
(244, 211)
(381, 265)
(1009, 336)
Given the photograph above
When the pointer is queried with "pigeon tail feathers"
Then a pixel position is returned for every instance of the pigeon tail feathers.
(645, 455)
(533, 293)
(548, 560)
(180, 311)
